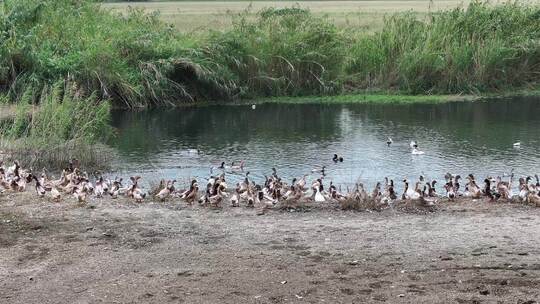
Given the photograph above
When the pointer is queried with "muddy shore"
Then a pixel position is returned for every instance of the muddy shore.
(116, 251)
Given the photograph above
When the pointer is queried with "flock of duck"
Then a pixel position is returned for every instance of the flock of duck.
(77, 184)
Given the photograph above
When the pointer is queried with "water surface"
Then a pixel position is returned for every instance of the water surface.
(460, 137)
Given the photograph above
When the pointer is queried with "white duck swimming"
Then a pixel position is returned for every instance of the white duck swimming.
(415, 151)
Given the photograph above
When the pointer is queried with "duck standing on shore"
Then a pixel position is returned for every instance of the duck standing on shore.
(164, 193)
(76, 183)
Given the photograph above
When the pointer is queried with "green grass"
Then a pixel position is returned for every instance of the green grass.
(478, 49)
(371, 98)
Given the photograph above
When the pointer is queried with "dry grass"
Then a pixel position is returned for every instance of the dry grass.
(93, 157)
(7, 111)
(201, 15)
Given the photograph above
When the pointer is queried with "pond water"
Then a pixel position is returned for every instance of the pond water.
(460, 137)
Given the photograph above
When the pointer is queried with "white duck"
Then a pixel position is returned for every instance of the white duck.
(415, 151)
(409, 193)
(319, 197)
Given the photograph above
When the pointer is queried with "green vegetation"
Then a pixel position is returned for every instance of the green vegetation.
(135, 60)
(61, 116)
(65, 63)
(375, 98)
(63, 126)
(283, 52)
(474, 50)
(111, 56)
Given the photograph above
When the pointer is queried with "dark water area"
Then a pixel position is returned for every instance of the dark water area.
(459, 137)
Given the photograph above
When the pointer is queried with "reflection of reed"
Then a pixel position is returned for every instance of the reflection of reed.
(152, 131)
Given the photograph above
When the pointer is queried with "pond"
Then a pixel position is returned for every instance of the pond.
(459, 137)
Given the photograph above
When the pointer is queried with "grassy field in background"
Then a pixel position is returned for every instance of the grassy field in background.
(201, 15)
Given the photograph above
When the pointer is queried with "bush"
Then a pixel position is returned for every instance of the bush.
(103, 53)
(282, 52)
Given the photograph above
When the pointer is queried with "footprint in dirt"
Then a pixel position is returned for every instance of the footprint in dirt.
(290, 240)
(365, 291)
(347, 291)
(340, 270)
(379, 284)
(33, 253)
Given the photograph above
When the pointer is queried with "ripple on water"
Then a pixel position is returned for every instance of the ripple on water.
(458, 137)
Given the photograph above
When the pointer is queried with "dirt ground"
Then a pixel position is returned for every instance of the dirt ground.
(121, 252)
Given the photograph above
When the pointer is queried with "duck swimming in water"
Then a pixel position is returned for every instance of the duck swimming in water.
(237, 167)
(415, 151)
(321, 170)
(337, 159)
(414, 148)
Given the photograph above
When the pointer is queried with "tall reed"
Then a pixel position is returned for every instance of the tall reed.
(281, 52)
(473, 49)
(61, 126)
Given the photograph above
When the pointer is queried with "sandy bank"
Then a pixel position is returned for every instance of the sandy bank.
(121, 252)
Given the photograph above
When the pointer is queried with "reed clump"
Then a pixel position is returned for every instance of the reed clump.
(474, 49)
(59, 115)
(282, 52)
(61, 126)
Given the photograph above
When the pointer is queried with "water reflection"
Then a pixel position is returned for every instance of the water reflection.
(457, 137)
